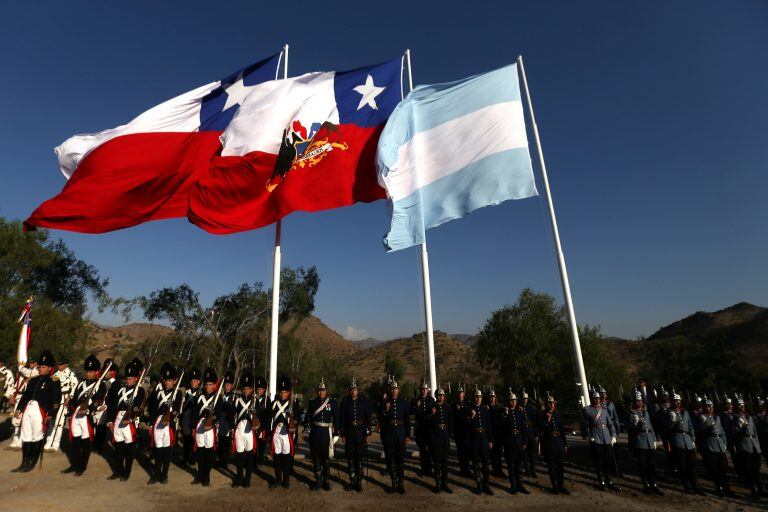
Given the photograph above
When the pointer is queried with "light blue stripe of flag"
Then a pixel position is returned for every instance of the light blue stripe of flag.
(449, 149)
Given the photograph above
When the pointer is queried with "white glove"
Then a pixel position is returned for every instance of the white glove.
(613, 440)
(656, 445)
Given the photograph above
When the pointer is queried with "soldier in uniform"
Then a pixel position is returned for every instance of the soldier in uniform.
(7, 386)
(761, 421)
(479, 444)
(726, 418)
(441, 426)
(748, 452)
(355, 427)
(422, 411)
(163, 406)
(101, 416)
(244, 436)
(609, 406)
(207, 410)
(322, 424)
(286, 415)
(227, 419)
(36, 407)
(554, 445)
(25, 374)
(681, 439)
(642, 441)
(511, 431)
(529, 429)
(713, 447)
(263, 413)
(496, 451)
(124, 410)
(598, 427)
(68, 382)
(189, 403)
(87, 396)
(396, 431)
(460, 408)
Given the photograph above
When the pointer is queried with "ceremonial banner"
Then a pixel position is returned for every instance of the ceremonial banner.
(143, 170)
(449, 149)
(305, 143)
(22, 352)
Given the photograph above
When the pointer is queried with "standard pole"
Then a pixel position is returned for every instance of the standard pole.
(276, 287)
(576, 344)
(425, 280)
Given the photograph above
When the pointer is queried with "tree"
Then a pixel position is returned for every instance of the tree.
(33, 264)
(529, 344)
(231, 333)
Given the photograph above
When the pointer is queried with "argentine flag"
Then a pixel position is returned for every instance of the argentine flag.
(449, 149)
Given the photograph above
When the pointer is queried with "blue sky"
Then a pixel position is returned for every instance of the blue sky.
(653, 117)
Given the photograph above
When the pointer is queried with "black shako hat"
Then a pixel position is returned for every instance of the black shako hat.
(261, 382)
(134, 367)
(91, 364)
(195, 373)
(229, 377)
(46, 359)
(167, 371)
(210, 376)
(284, 384)
(246, 380)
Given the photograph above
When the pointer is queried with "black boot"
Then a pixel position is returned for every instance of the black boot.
(238, 480)
(314, 486)
(612, 486)
(277, 462)
(287, 470)
(33, 454)
(248, 468)
(24, 458)
(85, 457)
(166, 465)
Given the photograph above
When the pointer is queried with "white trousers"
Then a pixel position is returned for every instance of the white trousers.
(79, 427)
(32, 429)
(282, 444)
(161, 435)
(123, 434)
(244, 437)
(204, 438)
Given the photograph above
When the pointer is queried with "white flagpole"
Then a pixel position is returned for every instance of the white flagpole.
(276, 287)
(425, 280)
(576, 344)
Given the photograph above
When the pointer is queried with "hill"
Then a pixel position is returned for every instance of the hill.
(318, 338)
(454, 359)
(108, 341)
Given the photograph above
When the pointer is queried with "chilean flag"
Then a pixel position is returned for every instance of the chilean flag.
(305, 143)
(25, 336)
(143, 170)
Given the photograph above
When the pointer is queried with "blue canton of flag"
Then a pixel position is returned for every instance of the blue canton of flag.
(367, 96)
(219, 107)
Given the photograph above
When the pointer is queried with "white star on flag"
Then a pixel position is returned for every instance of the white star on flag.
(369, 91)
(236, 92)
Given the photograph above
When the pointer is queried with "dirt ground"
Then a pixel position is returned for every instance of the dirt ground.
(46, 489)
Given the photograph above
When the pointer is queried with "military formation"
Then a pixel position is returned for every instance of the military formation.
(217, 420)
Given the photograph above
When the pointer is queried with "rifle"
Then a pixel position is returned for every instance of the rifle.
(92, 391)
(167, 416)
(209, 419)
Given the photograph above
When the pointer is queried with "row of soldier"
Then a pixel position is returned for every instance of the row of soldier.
(660, 420)
(210, 418)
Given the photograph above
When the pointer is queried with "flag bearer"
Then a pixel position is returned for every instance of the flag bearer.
(124, 411)
(87, 396)
(322, 422)
(38, 404)
(25, 374)
(163, 406)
